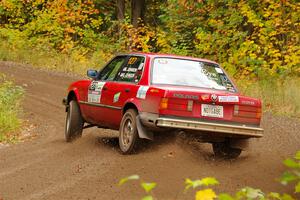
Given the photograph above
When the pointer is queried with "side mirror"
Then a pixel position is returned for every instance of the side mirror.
(92, 73)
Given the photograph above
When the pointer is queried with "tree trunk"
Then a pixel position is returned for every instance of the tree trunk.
(120, 9)
(137, 11)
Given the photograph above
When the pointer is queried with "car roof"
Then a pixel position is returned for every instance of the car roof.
(155, 55)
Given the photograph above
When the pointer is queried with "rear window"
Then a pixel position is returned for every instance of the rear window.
(173, 71)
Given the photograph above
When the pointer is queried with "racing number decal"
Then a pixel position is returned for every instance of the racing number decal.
(94, 93)
(132, 60)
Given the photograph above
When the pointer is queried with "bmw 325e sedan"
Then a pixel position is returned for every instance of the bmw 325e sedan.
(141, 94)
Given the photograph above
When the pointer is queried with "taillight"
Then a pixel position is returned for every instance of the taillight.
(176, 104)
(236, 110)
(190, 105)
(163, 103)
(258, 113)
(246, 111)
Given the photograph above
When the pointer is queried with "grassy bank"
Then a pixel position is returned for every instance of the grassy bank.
(279, 95)
(47, 57)
(10, 97)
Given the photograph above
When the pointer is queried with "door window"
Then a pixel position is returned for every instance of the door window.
(132, 71)
(111, 70)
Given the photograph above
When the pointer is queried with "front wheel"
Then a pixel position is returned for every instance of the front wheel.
(128, 133)
(223, 149)
(74, 122)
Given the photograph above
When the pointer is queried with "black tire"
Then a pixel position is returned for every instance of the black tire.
(128, 133)
(224, 150)
(74, 122)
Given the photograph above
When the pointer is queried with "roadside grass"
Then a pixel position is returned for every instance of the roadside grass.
(41, 54)
(279, 96)
(10, 99)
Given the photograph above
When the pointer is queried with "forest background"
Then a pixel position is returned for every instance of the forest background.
(256, 41)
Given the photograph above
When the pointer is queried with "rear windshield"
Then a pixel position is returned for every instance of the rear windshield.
(173, 71)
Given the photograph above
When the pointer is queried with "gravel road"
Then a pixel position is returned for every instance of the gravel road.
(46, 167)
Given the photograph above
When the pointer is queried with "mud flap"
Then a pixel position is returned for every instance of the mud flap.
(142, 131)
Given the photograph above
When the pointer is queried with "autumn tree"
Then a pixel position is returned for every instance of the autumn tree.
(120, 7)
(137, 11)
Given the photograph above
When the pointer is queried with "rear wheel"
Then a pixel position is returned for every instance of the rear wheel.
(128, 133)
(223, 149)
(74, 122)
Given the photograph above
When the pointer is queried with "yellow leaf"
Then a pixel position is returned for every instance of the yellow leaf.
(207, 194)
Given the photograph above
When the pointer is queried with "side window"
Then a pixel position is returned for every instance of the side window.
(111, 70)
(132, 71)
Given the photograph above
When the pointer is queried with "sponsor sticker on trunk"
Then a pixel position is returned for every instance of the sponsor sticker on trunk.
(229, 99)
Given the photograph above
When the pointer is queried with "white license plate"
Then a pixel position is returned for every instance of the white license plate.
(211, 110)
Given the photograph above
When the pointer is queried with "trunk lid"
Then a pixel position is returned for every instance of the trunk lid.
(210, 104)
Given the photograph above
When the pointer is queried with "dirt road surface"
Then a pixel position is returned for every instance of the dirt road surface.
(46, 167)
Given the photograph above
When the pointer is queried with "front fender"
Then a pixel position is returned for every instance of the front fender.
(73, 94)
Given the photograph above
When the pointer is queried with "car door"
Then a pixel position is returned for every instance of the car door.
(97, 110)
(122, 88)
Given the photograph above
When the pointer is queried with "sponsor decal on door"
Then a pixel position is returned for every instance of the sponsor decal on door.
(95, 90)
(116, 97)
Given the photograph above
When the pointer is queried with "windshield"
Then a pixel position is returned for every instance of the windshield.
(173, 71)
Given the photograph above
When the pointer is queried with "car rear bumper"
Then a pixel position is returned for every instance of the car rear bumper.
(209, 126)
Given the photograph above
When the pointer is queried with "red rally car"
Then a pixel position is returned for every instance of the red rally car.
(140, 94)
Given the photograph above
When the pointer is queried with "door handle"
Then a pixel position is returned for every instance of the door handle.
(127, 90)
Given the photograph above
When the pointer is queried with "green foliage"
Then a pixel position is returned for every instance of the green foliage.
(254, 194)
(147, 197)
(10, 97)
(65, 35)
(246, 193)
(256, 41)
(208, 181)
(147, 187)
(205, 194)
(132, 177)
(293, 175)
(248, 38)
(250, 193)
